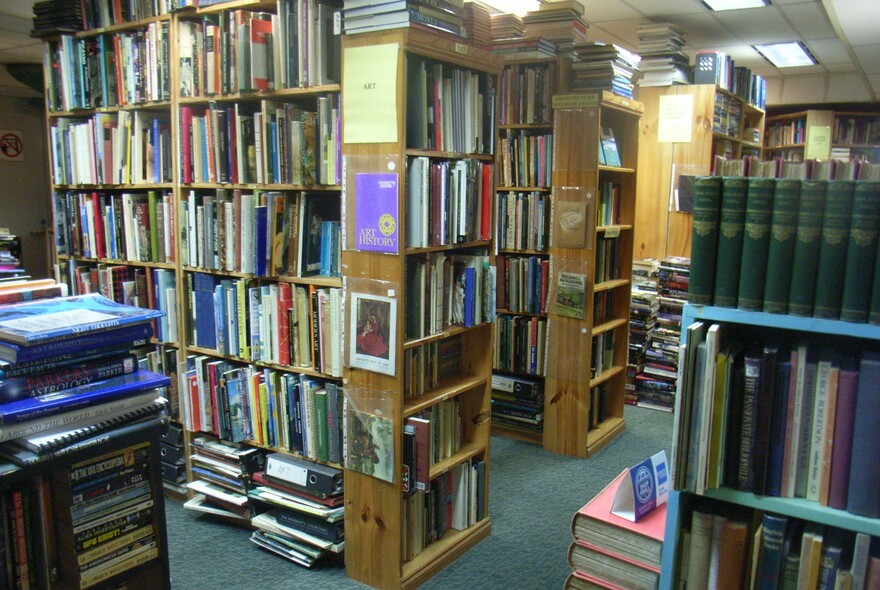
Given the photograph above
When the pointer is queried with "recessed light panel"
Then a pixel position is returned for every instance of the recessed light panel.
(719, 5)
(786, 55)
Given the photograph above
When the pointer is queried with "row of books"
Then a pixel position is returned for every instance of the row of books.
(601, 353)
(128, 147)
(785, 133)
(716, 67)
(769, 550)
(523, 220)
(521, 344)
(525, 94)
(105, 13)
(267, 143)
(777, 418)
(265, 233)
(643, 308)
(804, 247)
(429, 364)
(108, 70)
(727, 116)
(607, 259)
(522, 283)
(437, 15)
(438, 432)
(448, 202)
(444, 290)
(456, 500)
(855, 130)
(137, 227)
(273, 323)
(793, 165)
(608, 204)
(517, 403)
(526, 159)
(274, 409)
(449, 109)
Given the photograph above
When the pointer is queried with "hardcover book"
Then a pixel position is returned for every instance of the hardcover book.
(730, 240)
(756, 241)
(806, 249)
(47, 320)
(707, 198)
(832, 248)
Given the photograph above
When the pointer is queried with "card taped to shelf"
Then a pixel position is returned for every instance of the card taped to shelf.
(315, 478)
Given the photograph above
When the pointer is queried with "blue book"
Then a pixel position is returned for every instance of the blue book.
(77, 345)
(470, 295)
(220, 326)
(156, 151)
(778, 426)
(769, 572)
(203, 289)
(261, 221)
(236, 409)
(80, 397)
(862, 496)
(293, 410)
(45, 320)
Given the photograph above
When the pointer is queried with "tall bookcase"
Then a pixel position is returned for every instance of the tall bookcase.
(522, 236)
(384, 527)
(823, 134)
(772, 329)
(591, 251)
(720, 123)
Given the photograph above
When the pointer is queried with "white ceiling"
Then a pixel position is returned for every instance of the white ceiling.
(841, 34)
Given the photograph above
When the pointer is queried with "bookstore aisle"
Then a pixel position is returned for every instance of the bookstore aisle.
(532, 498)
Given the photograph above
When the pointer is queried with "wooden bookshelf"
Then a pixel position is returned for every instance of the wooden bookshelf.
(823, 134)
(584, 387)
(378, 521)
(661, 231)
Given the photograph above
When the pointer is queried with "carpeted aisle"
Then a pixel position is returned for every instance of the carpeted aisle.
(532, 497)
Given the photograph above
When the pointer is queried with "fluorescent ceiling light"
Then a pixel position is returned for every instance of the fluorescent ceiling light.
(719, 5)
(517, 7)
(786, 55)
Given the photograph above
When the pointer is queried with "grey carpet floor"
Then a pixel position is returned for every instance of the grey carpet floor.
(532, 497)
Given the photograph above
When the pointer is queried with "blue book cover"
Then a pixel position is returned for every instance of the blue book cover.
(44, 320)
(81, 396)
(862, 497)
(770, 556)
(76, 345)
(294, 427)
(203, 287)
(778, 427)
(470, 295)
(261, 231)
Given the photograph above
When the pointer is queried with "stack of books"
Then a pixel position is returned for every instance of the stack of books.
(364, 16)
(524, 48)
(661, 359)
(507, 26)
(478, 24)
(225, 476)
(663, 62)
(611, 552)
(305, 516)
(643, 308)
(10, 254)
(604, 66)
(18, 290)
(559, 22)
(57, 16)
(69, 381)
(518, 403)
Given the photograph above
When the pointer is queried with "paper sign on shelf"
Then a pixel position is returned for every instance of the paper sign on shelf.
(644, 487)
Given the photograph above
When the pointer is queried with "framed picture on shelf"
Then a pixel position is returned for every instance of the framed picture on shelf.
(373, 321)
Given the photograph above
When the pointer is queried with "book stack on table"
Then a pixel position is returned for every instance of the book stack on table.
(305, 516)
(67, 379)
(224, 473)
(609, 551)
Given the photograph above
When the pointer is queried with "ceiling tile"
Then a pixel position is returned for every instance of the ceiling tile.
(829, 51)
(662, 10)
(848, 88)
(601, 10)
(622, 32)
(758, 25)
(875, 83)
(809, 19)
(851, 16)
(703, 31)
(869, 58)
(842, 68)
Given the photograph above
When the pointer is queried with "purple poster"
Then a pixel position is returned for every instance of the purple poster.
(376, 212)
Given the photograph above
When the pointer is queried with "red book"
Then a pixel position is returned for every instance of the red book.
(285, 305)
(261, 32)
(422, 479)
(844, 416)
(486, 207)
(27, 293)
(577, 580)
(635, 542)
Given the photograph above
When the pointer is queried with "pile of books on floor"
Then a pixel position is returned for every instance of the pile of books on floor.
(69, 381)
(604, 66)
(223, 475)
(518, 403)
(305, 512)
(661, 359)
(10, 253)
(609, 551)
(644, 304)
(663, 62)
(364, 16)
(561, 23)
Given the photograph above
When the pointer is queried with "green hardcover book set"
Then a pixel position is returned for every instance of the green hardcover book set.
(802, 247)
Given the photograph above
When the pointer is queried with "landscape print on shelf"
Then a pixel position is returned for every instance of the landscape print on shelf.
(376, 212)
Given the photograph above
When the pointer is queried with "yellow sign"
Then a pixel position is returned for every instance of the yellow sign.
(369, 102)
(818, 143)
(575, 101)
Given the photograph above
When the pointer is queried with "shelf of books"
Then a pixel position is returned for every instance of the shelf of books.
(770, 416)
(722, 125)
(417, 254)
(591, 252)
(817, 134)
(522, 238)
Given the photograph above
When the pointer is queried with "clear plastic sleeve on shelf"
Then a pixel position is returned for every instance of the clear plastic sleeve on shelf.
(370, 432)
(372, 325)
(574, 217)
(371, 203)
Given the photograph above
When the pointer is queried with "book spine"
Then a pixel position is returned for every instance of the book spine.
(806, 250)
(756, 240)
(862, 498)
(707, 199)
(861, 252)
(49, 382)
(730, 240)
(832, 248)
(751, 395)
(78, 344)
(783, 231)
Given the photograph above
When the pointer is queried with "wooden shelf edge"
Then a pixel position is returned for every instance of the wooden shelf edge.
(608, 285)
(609, 325)
(605, 376)
(465, 453)
(442, 552)
(535, 438)
(603, 434)
(415, 405)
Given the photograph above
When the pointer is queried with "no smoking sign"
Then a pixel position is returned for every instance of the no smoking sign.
(11, 146)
